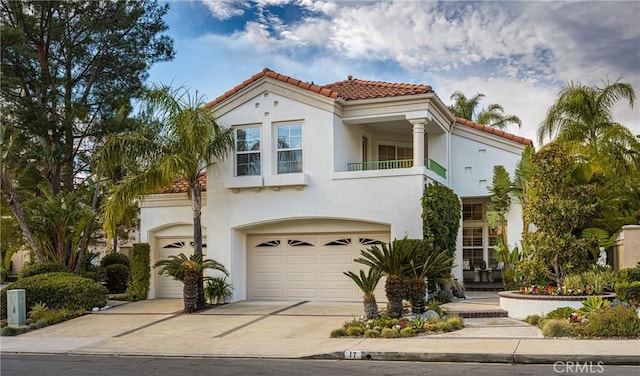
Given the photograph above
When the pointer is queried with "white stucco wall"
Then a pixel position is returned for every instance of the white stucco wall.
(237, 206)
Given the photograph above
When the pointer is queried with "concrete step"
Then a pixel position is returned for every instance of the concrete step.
(477, 314)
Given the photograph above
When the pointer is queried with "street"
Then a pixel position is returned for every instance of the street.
(72, 365)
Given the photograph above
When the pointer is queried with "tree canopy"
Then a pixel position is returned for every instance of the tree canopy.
(492, 116)
(68, 68)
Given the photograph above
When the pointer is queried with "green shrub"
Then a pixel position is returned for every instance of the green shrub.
(560, 313)
(444, 326)
(455, 322)
(41, 268)
(629, 292)
(218, 290)
(633, 274)
(58, 291)
(115, 258)
(615, 321)
(337, 333)
(41, 323)
(354, 331)
(371, 333)
(140, 271)
(97, 273)
(117, 278)
(9, 331)
(407, 332)
(4, 274)
(532, 320)
(557, 328)
(389, 333)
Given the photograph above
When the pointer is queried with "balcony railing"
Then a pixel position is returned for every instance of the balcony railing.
(398, 163)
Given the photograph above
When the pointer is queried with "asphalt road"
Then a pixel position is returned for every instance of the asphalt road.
(71, 365)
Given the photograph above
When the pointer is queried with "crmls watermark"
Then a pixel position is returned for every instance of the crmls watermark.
(570, 367)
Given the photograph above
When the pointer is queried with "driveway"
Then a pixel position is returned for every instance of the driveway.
(273, 329)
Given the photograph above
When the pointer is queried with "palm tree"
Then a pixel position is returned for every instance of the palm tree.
(367, 283)
(582, 119)
(392, 261)
(426, 264)
(188, 270)
(180, 141)
(491, 116)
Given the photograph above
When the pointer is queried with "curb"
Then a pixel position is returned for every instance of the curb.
(628, 360)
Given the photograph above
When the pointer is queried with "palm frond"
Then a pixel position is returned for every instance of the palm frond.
(366, 282)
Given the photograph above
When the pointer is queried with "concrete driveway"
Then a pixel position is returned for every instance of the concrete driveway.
(273, 329)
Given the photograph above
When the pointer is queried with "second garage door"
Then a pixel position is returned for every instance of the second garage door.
(307, 267)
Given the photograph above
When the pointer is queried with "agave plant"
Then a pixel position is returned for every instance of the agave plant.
(392, 262)
(367, 283)
(188, 270)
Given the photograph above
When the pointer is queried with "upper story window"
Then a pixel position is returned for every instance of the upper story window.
(394, 153)
(289, 148)
(248, 151)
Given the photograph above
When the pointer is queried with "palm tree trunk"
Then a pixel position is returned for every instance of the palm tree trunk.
(370, 306)
(190, 290)
(417, 292)
(393, 288)
(196, 203)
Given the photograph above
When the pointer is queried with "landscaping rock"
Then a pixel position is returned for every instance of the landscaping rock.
(430, 315)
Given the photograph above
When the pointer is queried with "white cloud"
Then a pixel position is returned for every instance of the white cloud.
(517, 53)
(225, 9)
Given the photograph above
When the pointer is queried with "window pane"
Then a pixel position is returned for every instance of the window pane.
(289, 161)
(248, 164)
(405, 152)
(248, 139)
(289, 136)
(386, 153)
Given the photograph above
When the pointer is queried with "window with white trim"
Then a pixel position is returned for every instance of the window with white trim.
(248, 151)
(289, 148)
(479, 239)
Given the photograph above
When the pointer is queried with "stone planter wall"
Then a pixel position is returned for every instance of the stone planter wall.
(519, 306)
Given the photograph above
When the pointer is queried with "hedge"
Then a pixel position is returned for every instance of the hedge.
(59, 291)
(140, 271)
(117, 278)
(115, 258)
(629, 292)
(41, 268)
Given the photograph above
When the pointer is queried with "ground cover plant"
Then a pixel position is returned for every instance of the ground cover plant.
(597, 318)
(387, 327)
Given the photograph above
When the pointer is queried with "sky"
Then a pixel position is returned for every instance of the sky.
(517, 53)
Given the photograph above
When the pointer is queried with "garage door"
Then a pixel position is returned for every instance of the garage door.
(167, 287)
(307, 267)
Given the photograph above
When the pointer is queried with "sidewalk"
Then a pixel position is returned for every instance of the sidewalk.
(301, 330)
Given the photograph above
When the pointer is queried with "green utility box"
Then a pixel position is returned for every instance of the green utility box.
(16, 308)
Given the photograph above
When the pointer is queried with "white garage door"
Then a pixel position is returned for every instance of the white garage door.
(167, 287)
(307, 267)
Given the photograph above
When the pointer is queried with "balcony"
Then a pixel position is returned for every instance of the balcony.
(399, 163)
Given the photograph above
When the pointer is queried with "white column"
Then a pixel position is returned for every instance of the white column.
(418, 141)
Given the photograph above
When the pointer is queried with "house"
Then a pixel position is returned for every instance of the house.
(321, 172)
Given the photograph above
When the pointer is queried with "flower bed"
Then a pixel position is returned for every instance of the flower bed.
(520, 305)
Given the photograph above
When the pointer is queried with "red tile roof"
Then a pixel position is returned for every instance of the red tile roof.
(349, 89)
(495, 131)
(353, 89)
(182, 186)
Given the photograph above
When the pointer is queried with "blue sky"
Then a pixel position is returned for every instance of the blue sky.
(518, 53)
